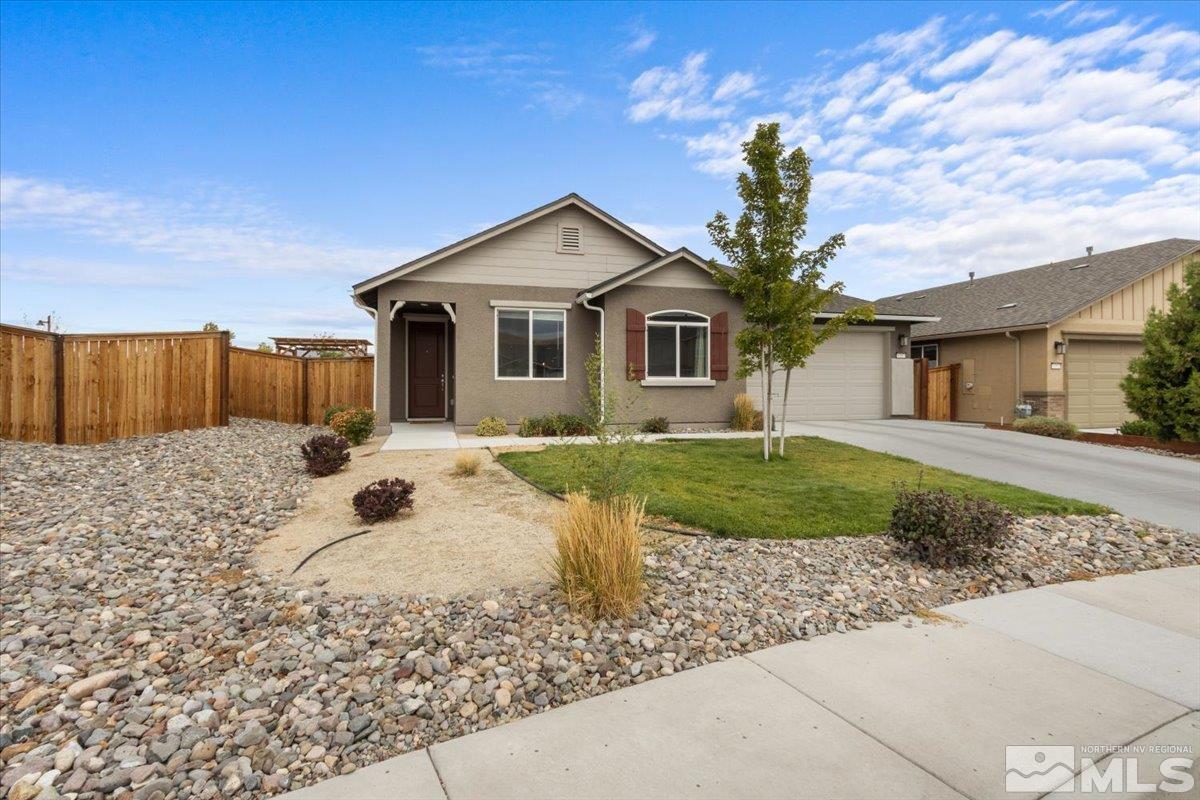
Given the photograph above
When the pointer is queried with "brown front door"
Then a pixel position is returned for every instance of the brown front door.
(426, 370)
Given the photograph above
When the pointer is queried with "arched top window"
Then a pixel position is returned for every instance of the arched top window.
(677, 344)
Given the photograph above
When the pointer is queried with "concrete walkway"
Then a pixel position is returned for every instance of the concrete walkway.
(892, 712)
(1145, 486)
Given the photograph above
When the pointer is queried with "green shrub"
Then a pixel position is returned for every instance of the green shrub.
(943, 529)
(554, 425)
(491, 426)
(325, 454)
(655, 425)
(383, 499)
(356, 424)
(333, 411)
(1163, 384)
(1047, 426)
(1138, 427)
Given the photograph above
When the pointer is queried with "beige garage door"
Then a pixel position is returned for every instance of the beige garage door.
(1094, 372)
(844, 379)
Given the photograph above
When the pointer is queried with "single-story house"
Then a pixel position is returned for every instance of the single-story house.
(1057, 336)
(502, 322)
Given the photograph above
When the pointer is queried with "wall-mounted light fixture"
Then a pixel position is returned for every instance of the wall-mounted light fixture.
(904, 340)
(1060, 348)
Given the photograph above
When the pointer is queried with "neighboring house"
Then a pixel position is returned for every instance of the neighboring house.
(1072, 326)
(502, 322)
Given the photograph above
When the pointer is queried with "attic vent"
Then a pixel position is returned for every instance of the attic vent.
(920, 297)
(1077, 266)
(570, 239)
(1006, 305)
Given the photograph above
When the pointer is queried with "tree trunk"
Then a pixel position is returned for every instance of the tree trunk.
(787, 384)
(766, 406)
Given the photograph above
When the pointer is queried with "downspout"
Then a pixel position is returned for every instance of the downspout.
(375, 362)
(1017, 369)
(600, 310)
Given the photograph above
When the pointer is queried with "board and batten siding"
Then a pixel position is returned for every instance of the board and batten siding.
(528, 256)
(1133, 303)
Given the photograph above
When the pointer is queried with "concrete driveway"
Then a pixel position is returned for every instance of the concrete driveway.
(1156, 488)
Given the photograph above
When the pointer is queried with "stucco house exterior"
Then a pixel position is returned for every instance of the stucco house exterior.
(1058, 336)
(501, 324)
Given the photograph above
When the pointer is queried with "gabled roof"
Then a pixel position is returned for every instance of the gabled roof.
(1035, 296)
(571, 199)
(608, 284)
(839, 304)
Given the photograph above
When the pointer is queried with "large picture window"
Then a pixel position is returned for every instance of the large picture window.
(676, 345)
(530, 343)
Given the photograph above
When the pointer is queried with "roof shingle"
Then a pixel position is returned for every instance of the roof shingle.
(1035, 295)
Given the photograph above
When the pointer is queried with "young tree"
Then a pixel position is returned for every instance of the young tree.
(212, 327)
(1163, 384)
(779, 287)
(265, 347)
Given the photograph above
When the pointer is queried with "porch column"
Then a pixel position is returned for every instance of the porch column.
(383, 377)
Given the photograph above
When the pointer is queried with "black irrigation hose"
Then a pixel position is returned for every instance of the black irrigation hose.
(325, 547)
(557, 496)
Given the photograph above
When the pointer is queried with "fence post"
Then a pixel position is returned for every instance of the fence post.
(224, 367)
(60, 389)
(304, 391)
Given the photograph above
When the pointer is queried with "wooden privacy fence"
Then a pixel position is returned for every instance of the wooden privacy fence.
(935, 390)
(89, 388)
(291, 389)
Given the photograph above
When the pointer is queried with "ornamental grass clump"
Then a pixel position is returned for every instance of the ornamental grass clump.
(945, 530)
(467, 463)
(356, 424)
(598, 558)
(325, 454)
(383, 499)
(745, 418)
(655, 425)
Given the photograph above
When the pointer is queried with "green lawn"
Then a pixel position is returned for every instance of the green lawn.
(822, 488)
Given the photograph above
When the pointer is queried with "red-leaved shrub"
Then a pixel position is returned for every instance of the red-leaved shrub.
(383, 499)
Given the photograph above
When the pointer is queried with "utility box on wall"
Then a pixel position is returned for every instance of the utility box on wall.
(902, 387)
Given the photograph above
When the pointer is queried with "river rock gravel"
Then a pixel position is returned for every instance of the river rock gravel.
(143, 656)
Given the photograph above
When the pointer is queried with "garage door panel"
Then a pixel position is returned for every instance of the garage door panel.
(844, 379)
(1095, 369)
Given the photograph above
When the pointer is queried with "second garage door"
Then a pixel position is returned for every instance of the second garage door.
(844, 379)
(1094, 372)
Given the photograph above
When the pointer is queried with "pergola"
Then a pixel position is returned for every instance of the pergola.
(308, 347)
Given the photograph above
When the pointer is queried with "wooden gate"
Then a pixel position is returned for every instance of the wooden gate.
(941, 396)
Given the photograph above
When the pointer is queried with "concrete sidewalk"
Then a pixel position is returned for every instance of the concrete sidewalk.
(442, 436)
(892, 712)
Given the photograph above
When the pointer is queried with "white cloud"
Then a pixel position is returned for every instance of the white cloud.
(956, 143)
(80, 272)
(209, 232)
(640, 40)
(682, 94)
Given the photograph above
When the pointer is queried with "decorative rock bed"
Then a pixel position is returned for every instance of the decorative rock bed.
(141, 654)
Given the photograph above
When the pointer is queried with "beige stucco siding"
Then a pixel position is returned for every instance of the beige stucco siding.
(989, 364)
(680, 405)
(528, 256)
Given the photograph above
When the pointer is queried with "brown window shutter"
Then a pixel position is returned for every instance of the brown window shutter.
(635, 344)
(718, 328)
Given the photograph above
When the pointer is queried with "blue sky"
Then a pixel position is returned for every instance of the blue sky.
(168, 164)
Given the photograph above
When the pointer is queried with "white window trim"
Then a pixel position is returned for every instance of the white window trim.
(676, 379)
(496, 343)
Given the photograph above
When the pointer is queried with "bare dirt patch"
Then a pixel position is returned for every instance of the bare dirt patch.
(464, 534)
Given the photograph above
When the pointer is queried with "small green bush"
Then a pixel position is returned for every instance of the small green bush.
(383, 499)
(1138, 427)
(655, 425)
(491, 426)
(944, 530)
(1047, 426)
(325, 454)
(333, 411)
(554, 425)
(355, 424)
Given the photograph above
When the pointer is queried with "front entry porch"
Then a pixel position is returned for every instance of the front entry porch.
(421, 362)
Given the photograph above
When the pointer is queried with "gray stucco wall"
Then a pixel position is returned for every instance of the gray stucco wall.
(681, 405)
